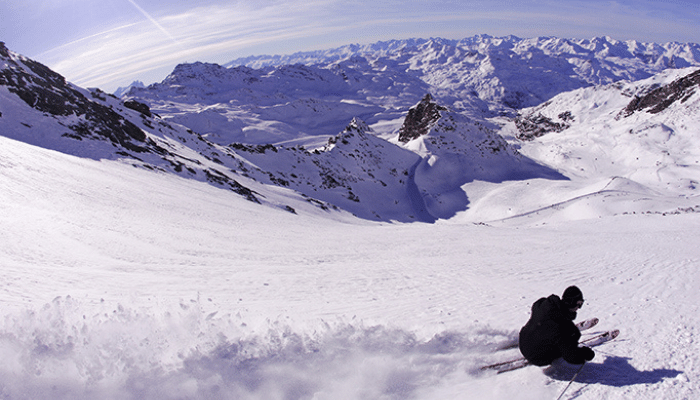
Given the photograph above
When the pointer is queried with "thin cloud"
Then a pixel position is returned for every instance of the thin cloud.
(152, 48)
(153, 21)
(84, 39)
(202, 33)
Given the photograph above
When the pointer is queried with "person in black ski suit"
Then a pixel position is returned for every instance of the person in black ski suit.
(550, 333)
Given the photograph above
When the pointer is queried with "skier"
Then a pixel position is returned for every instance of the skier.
(550, 333)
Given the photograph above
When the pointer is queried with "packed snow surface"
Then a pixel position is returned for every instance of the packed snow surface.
(123, 283)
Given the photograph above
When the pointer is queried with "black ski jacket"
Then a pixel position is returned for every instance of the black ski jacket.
(550, 333)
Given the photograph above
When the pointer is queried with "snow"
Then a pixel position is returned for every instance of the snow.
(124, 283)
(654, 150)
(137, 278)
(519, 72)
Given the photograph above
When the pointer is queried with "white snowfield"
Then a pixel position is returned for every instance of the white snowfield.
(122, 282)
(126, 284)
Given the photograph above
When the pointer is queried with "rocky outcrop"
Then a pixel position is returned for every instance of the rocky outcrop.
(419, 119)
(137, 106)
(536, 125)
(663, 97)
(48, 92)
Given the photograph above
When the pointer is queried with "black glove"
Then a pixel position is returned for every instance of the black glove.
(587, 353)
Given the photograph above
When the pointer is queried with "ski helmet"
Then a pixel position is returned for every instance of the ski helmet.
(572, 296)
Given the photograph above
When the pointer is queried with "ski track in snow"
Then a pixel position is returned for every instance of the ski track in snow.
(121, 283)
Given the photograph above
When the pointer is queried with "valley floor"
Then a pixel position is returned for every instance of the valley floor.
(124, 284)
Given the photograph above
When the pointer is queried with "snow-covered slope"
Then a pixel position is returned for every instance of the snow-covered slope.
(124, 283)
(644, 133)
(354, 171)
(37, 106)
(456, 150)
(627, 147)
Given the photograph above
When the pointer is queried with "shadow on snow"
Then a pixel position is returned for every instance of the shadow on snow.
(614, 371)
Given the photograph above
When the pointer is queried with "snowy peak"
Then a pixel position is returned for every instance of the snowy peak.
(355, 127)
(507, 70)
(216, 81)
(209, 74)
(121, 91)
(432, 131)
(358, 125)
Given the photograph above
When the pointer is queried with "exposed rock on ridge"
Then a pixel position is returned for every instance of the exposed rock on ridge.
(536, 125)
(46, 91)
(419, 119)
(663, 97)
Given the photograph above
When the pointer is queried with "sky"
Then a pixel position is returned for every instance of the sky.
(110, 43)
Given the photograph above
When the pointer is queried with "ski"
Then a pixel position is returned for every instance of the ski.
(517, 364)
(587, 324)
(602, 338)
(522, 362)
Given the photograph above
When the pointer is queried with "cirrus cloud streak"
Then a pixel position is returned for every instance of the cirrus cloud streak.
(148, 50)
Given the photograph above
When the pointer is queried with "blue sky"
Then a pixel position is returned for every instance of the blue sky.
(110, 43)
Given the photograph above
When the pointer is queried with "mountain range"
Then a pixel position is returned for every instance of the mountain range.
(412, 130)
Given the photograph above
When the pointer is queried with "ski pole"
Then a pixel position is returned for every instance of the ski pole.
(571, 381)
